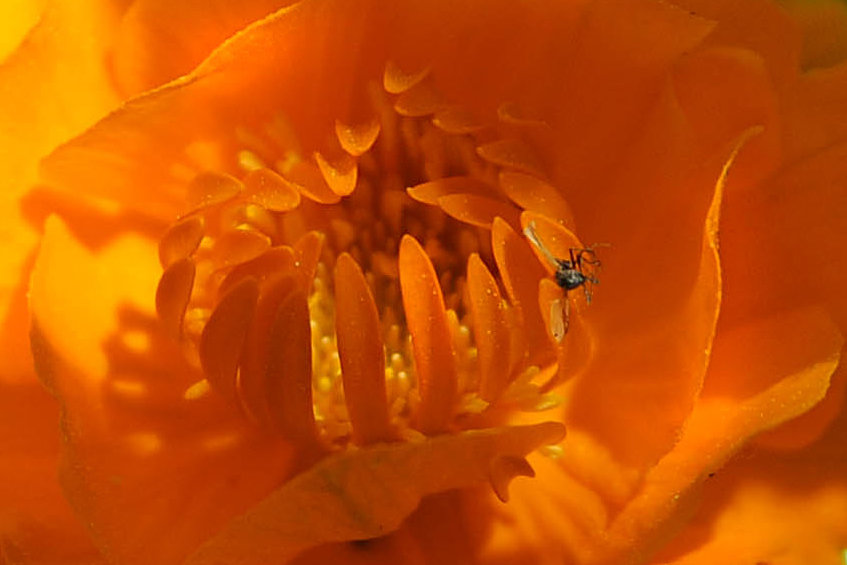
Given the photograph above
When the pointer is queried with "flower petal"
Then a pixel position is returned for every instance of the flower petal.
(315, 37)
(658, 345)
(18, 18)
(512, 154)
(595, 126)
(51, 60)
(806, 429)
(768, 349)
(520, 272)
(534, 195)
(59, 67)
(430, 192)
(289, 370)
(260, 345)
(37, 525)
(210, 188)
(308, 178)
(275, 260)
(723, 421)
(787, 506)
(362, 355)
(365, 493)
(814, 113)
(341, 176)
(154, 47)
(759, 26)
(574, 339)
(706, 85)
(358, 139)
(490, 328)
(432, 346)
(271, 191)
(173, 294)
(180, 241)
(223, 337)
(806, 199)
(824, 26)
(137, 454)
(478, 210)
(773, 520)
(307, 252)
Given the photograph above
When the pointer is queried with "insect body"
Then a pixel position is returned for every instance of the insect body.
(571, 273)
(578, 270)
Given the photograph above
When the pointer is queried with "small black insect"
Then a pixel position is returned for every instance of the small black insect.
(579, 270)
(571, 274)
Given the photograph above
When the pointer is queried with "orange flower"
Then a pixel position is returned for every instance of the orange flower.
(303, 302)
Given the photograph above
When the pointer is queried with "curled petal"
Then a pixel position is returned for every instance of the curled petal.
(239, 246)
(341, 176)
(504, 469)
(430, 192)
(457, 120)
(208, 189)
(268, 189)
(478, 210)
(512, 154)
(357, 140)
(534, 195)
(308, 179)
(396, 81)
(274, 261)
(180, 241)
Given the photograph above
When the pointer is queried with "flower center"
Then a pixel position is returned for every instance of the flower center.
(381, 288)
